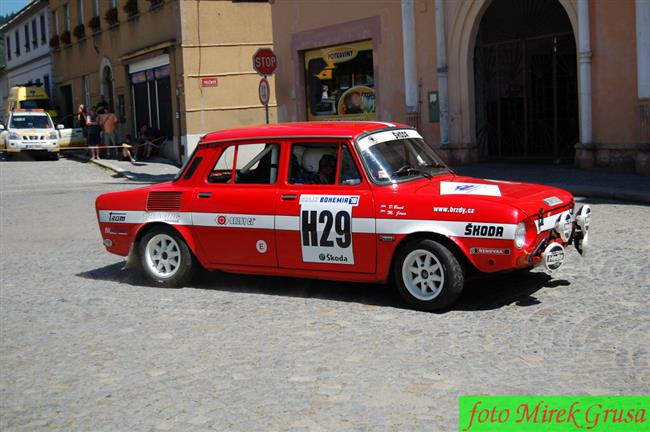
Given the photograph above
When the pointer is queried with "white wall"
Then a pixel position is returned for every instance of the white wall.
(43, 48)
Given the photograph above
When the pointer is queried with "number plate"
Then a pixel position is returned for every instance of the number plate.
(326, 228)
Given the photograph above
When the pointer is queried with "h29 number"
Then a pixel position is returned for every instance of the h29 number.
(341, 222)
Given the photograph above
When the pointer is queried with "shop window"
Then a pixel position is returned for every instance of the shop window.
(339, 82)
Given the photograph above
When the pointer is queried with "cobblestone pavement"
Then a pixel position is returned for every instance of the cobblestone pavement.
(83, 346)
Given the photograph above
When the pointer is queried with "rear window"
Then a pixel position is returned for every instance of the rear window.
(35, 103)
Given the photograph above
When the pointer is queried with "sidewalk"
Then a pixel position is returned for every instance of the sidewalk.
(152, 170)
(587, 183)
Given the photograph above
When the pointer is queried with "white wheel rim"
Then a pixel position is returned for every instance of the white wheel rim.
(163, 256)
(423, 275)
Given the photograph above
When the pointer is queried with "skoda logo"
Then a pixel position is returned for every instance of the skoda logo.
(321, 257)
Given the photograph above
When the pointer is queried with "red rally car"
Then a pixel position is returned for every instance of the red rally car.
(347, 201)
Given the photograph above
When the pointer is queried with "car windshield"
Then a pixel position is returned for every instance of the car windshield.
(391, 160)
(30, 122)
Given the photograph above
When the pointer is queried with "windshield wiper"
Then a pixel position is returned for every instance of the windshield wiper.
(409, 170)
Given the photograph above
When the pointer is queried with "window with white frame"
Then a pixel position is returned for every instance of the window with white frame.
(43, 32)
(28, 46)
(55, 20)
(34, 34)
(96, 8)
(17, 42)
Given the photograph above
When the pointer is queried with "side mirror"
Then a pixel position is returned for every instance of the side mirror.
(60, 126)
(2, 127)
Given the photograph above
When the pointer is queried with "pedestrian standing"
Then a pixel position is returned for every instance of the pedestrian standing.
(92, 124)
(80, 119)
(109, 122)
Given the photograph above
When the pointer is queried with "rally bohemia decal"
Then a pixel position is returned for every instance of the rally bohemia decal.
(326, 228)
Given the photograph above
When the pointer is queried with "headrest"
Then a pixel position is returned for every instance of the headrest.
(312, 156)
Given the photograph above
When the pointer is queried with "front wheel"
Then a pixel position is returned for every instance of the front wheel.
(165, 258)
(428, 275)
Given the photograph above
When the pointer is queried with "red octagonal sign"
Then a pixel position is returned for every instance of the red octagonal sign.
(265, 61)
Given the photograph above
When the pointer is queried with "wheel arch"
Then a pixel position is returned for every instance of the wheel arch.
(448, 242)
(182, 230)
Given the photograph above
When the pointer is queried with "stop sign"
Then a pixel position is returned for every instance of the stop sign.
(265, 61)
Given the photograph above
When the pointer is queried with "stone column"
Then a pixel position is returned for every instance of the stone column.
(410, 64)
(441, 68)
(585, 148)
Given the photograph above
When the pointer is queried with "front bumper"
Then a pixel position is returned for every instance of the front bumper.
(548, 249)
(16, 146)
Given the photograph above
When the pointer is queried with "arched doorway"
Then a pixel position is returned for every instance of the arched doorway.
(106, 83)
(525, 81)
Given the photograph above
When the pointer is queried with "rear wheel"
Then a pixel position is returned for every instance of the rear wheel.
(165, 258)
(428, 275)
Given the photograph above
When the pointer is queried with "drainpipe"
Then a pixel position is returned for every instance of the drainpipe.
(410, 65)
(441, 61)
(584, 56)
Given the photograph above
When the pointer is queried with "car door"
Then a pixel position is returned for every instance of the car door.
(325, 211)
(234, 206)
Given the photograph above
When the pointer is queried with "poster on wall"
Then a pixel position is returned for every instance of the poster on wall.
(339, 82)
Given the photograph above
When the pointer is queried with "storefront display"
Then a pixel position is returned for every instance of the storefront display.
(339, 82)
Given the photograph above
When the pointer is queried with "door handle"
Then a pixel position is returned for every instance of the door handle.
(205, 194)
(289, 197)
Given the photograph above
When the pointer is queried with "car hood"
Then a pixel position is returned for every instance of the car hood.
(25, 132)
(527, 197)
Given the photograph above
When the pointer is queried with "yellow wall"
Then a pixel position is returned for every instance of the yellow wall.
(228, 34)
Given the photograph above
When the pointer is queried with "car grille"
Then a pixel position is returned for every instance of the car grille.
(34, 137)
(164, 201)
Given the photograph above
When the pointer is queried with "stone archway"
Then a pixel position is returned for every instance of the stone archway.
(464, 20)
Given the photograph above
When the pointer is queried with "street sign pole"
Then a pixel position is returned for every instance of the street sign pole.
(264, 91)
(265, 62)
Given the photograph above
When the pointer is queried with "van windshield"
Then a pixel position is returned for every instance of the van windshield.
(35, 104)
(30, 122)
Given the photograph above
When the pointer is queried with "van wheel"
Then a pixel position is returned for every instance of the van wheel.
(428, 275)
(165, 258)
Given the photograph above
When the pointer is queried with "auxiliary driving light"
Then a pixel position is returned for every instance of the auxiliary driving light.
(107, 243)
(583, 218)
(564, 226)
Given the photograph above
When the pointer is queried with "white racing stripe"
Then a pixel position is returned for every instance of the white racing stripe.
(292, 223)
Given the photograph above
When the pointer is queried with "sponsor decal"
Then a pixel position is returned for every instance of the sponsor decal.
(456, 210)
(553, 256)
(458, 188)
(326, 228)
(482, 230)
(239, 221)
(169, 217)
(489, 251)
(368, 141)
(551, 201)
(340, 54)
(261, 246)
(116, 217)
(330, 199)
(116, 231)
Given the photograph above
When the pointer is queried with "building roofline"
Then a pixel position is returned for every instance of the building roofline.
(21, 13)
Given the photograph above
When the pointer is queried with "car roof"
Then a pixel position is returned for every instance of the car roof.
(319, 129)
(29, 113)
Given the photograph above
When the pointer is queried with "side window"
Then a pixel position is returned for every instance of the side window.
(257, 163)
(313, 164)
(254, 164)
(348, 172)
(222, 171)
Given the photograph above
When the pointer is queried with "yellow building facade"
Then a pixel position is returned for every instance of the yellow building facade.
(181, 66)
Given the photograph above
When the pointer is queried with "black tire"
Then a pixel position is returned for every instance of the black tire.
(179, 273)
(444, 272)
(54, 156)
